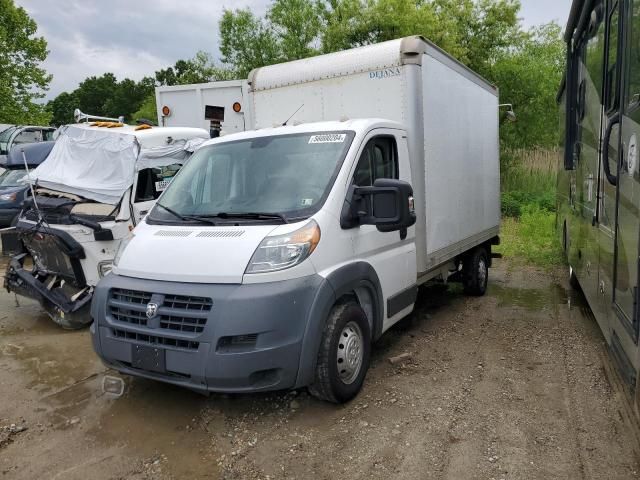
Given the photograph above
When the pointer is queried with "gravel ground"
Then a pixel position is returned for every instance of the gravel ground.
(508, 386)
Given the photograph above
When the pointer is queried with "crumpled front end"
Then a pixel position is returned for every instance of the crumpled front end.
(51, 274)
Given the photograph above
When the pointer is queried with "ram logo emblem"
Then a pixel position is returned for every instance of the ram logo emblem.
(152, 310)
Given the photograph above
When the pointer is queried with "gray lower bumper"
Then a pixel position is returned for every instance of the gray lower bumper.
(254, 337)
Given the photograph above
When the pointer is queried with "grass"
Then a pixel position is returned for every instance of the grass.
(528, 208)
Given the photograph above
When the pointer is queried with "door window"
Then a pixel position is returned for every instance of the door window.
(153, 181)
(378, 160)
(28, 136)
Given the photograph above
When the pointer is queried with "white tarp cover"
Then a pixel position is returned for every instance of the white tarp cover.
(178, 152)
(100, 164)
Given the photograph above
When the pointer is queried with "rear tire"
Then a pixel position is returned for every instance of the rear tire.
(475, 272)
(573, 280)
(343, 358)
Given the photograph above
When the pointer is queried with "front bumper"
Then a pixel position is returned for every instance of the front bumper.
(62, 307)
(246, 337)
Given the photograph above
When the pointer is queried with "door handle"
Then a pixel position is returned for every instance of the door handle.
(612, 179)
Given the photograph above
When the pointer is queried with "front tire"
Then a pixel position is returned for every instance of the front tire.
(475, 272)
(343, 358)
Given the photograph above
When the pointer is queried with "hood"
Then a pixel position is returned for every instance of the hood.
(12, 188)
(192, 254)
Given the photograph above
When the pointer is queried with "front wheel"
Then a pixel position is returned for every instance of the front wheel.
(475, 272)
(343, 358)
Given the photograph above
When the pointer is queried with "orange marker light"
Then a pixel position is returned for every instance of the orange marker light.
(166, 111)
(237, 107)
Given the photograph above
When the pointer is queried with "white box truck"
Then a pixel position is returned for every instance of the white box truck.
(186, 105)
(289, 250)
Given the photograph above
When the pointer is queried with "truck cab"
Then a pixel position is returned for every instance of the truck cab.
(288, 251)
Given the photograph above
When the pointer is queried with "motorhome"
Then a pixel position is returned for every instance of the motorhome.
(288, 250)
(98, 182)
(599, 181)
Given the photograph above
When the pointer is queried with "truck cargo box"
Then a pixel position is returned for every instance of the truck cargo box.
(451, 114)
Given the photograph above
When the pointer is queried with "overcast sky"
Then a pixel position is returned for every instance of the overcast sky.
(136, 38)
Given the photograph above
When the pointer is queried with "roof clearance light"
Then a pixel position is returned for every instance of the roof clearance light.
(166, 111)
(237, 107)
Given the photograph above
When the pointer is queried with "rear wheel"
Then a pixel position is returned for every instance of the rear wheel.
(573, 280)
(475, 272)
(343, 358)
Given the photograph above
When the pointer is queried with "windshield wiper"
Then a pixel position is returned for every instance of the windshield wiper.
(186, 218)
(248, 215)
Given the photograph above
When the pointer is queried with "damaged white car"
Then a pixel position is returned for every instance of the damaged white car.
(98, 182)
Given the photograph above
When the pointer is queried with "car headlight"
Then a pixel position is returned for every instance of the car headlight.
(285, 251)
(9, 197)
(123, 244)
(104, 268)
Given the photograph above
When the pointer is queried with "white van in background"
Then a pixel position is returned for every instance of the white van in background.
(288, 251)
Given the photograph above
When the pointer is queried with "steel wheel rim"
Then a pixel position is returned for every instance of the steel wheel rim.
(350, 352)
(482, 271)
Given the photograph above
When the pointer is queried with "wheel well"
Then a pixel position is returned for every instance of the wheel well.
(364, 298)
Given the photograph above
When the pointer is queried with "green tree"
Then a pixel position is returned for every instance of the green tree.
(199, 69)
(61, 108)
(22, 79)
(246, 42)
(528, 77)
(147, 110)
(296, 25)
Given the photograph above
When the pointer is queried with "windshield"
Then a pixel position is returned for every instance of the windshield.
(288, 176)
(11, 178)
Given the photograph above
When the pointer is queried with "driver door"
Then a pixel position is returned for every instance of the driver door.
(393, 255)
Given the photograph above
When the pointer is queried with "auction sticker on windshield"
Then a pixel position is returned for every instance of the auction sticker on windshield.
(328, 138)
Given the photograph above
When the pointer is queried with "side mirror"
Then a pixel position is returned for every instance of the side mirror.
(388, 205)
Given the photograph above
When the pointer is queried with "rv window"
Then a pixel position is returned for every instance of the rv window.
(611, 83)
(633, 90)
(379, 160)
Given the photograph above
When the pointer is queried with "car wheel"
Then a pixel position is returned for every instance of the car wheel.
(343, 358)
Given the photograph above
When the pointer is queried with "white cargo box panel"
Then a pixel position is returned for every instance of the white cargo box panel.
(451, 116)
(187, 105)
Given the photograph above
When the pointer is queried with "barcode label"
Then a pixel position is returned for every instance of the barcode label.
(328, 138)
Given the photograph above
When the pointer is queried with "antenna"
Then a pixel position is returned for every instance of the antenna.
(33, 193)
(292, 115)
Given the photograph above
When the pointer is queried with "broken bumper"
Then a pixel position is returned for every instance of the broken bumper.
(62, 307)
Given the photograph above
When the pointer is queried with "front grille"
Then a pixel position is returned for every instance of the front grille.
(155, 340)
(178, 313)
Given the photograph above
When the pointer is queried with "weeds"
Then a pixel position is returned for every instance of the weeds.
(528, 207)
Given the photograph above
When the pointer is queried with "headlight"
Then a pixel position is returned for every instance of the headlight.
(123, 244)
(9, 197)
(285, 251)
(104, 268)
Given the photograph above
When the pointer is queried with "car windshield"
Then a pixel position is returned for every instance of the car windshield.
(264, 178)
(11, 178)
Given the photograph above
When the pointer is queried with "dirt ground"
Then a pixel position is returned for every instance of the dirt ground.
(509, 386)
